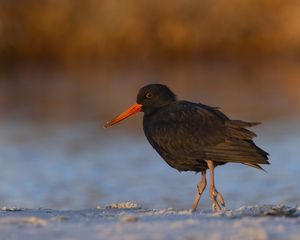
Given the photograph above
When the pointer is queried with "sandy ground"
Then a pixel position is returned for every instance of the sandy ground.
(129, 221)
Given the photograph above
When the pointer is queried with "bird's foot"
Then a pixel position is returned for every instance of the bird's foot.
(200, 189)
(216, 199)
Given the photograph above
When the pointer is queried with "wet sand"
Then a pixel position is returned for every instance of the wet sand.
(129, 221)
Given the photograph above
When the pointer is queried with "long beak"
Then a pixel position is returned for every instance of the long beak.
(130, 111)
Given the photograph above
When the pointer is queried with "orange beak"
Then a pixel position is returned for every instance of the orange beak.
(135, 108)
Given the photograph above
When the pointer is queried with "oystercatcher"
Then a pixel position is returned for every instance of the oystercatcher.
(194, 137)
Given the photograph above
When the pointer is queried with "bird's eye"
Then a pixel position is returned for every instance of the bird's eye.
(148, 95)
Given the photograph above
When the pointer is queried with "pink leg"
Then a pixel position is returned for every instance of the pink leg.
(200, 187)
(214, 195)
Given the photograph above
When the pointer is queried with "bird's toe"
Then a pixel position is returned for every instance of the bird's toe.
(220, 199)
(216, 200)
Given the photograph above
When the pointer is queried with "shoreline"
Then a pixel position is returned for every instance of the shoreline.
(129, 221)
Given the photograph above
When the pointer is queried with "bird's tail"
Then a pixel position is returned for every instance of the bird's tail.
(237, 129)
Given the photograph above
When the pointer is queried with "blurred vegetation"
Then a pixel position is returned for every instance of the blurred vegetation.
(111, 30)
(75, 59)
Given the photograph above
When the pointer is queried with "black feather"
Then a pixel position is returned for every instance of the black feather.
(186, 134)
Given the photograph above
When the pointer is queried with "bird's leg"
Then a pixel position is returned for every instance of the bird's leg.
(200, 189)
(214, 195)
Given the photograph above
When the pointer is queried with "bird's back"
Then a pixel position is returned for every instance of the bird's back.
(185, 134)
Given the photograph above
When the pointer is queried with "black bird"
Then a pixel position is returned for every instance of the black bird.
(193, 136)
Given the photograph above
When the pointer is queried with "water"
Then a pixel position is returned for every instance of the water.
(83, 165)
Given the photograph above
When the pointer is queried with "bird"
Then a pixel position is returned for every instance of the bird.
(194, 137)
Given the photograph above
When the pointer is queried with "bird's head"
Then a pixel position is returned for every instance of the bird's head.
(149, 98)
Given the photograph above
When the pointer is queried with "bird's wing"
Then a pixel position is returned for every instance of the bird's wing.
(198, 131)
(186, 128)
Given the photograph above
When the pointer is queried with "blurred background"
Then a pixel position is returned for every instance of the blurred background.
(66, 67)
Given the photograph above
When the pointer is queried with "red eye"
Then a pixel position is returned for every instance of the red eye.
(148, 95)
